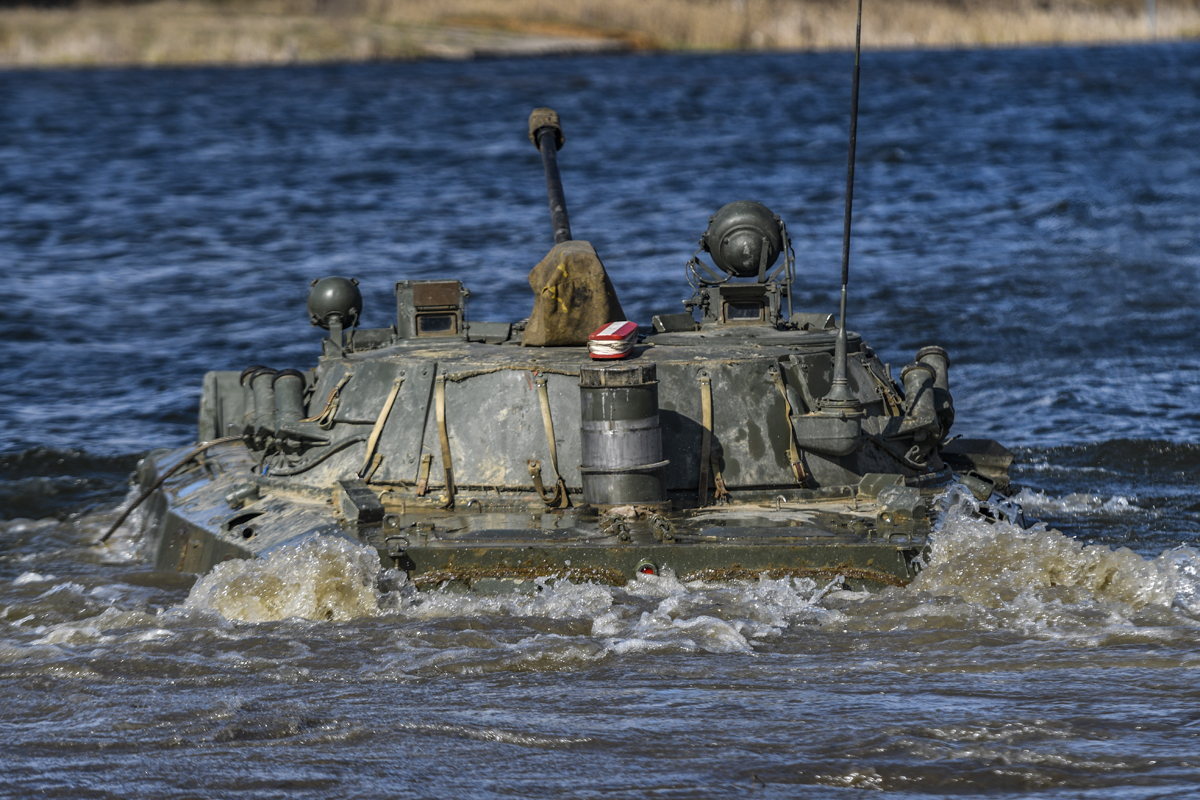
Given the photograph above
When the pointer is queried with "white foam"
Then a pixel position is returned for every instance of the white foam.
(557, 600)
(1186, 563)
(101, 628)
(709, 617)
(1075, 504)
(31, 577)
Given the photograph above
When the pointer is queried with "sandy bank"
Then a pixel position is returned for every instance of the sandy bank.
(165, 32)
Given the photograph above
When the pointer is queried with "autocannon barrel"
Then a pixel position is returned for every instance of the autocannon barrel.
(546, 133)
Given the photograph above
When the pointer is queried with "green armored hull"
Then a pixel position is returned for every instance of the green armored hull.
(737, 438)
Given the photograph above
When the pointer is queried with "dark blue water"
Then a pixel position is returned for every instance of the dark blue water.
(1034, 212)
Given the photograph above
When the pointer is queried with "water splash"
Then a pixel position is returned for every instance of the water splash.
(979, 575)
(127, 544)
(321, 578)
(329, 578)
(994, 562)
(1035, 583)
(549, 600)
(710, 617)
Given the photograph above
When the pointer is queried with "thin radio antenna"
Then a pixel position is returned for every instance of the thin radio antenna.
(841, 401)
(850, 165)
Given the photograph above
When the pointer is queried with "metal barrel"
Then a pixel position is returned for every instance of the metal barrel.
(264, 404)
(545, 132)
(621, 438)
(918, 380)
(245, 382)
(289, 397)
(939, 359)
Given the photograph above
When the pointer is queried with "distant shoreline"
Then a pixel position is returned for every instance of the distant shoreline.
(266, 32)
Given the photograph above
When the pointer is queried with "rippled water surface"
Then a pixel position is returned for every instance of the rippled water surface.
(1034, 212)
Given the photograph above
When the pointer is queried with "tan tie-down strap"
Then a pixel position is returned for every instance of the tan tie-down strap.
(440, 402)
(720, 493)
(423, 475)
(325, 418)
(793, 453)
(559, 499)
(371, 462)
(372, 467)
(709, 454)
(705, 436)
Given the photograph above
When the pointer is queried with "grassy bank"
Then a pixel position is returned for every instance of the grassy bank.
(304, 31)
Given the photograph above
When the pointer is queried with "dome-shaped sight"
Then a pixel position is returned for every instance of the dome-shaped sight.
(744, 239)
(334, 300)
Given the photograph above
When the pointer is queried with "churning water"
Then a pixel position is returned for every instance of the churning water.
(1035, 212)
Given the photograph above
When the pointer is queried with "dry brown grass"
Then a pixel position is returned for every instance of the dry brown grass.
(296, 31)
(822, 24)
(174, 32)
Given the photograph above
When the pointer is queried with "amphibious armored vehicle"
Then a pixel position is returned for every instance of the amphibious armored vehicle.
(735, 438)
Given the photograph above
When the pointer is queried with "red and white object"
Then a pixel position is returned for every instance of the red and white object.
(614, 340)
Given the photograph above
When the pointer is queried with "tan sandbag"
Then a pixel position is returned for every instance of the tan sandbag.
(572, 297)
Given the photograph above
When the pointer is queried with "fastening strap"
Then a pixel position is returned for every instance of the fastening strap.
(720, 493)
(447, 468)
(325, 418)
(713, 457)
(373, 440)
(559, 499)
(793, 453)
(372, 467)
(423, 475)
(553, 500)
(705, 437)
